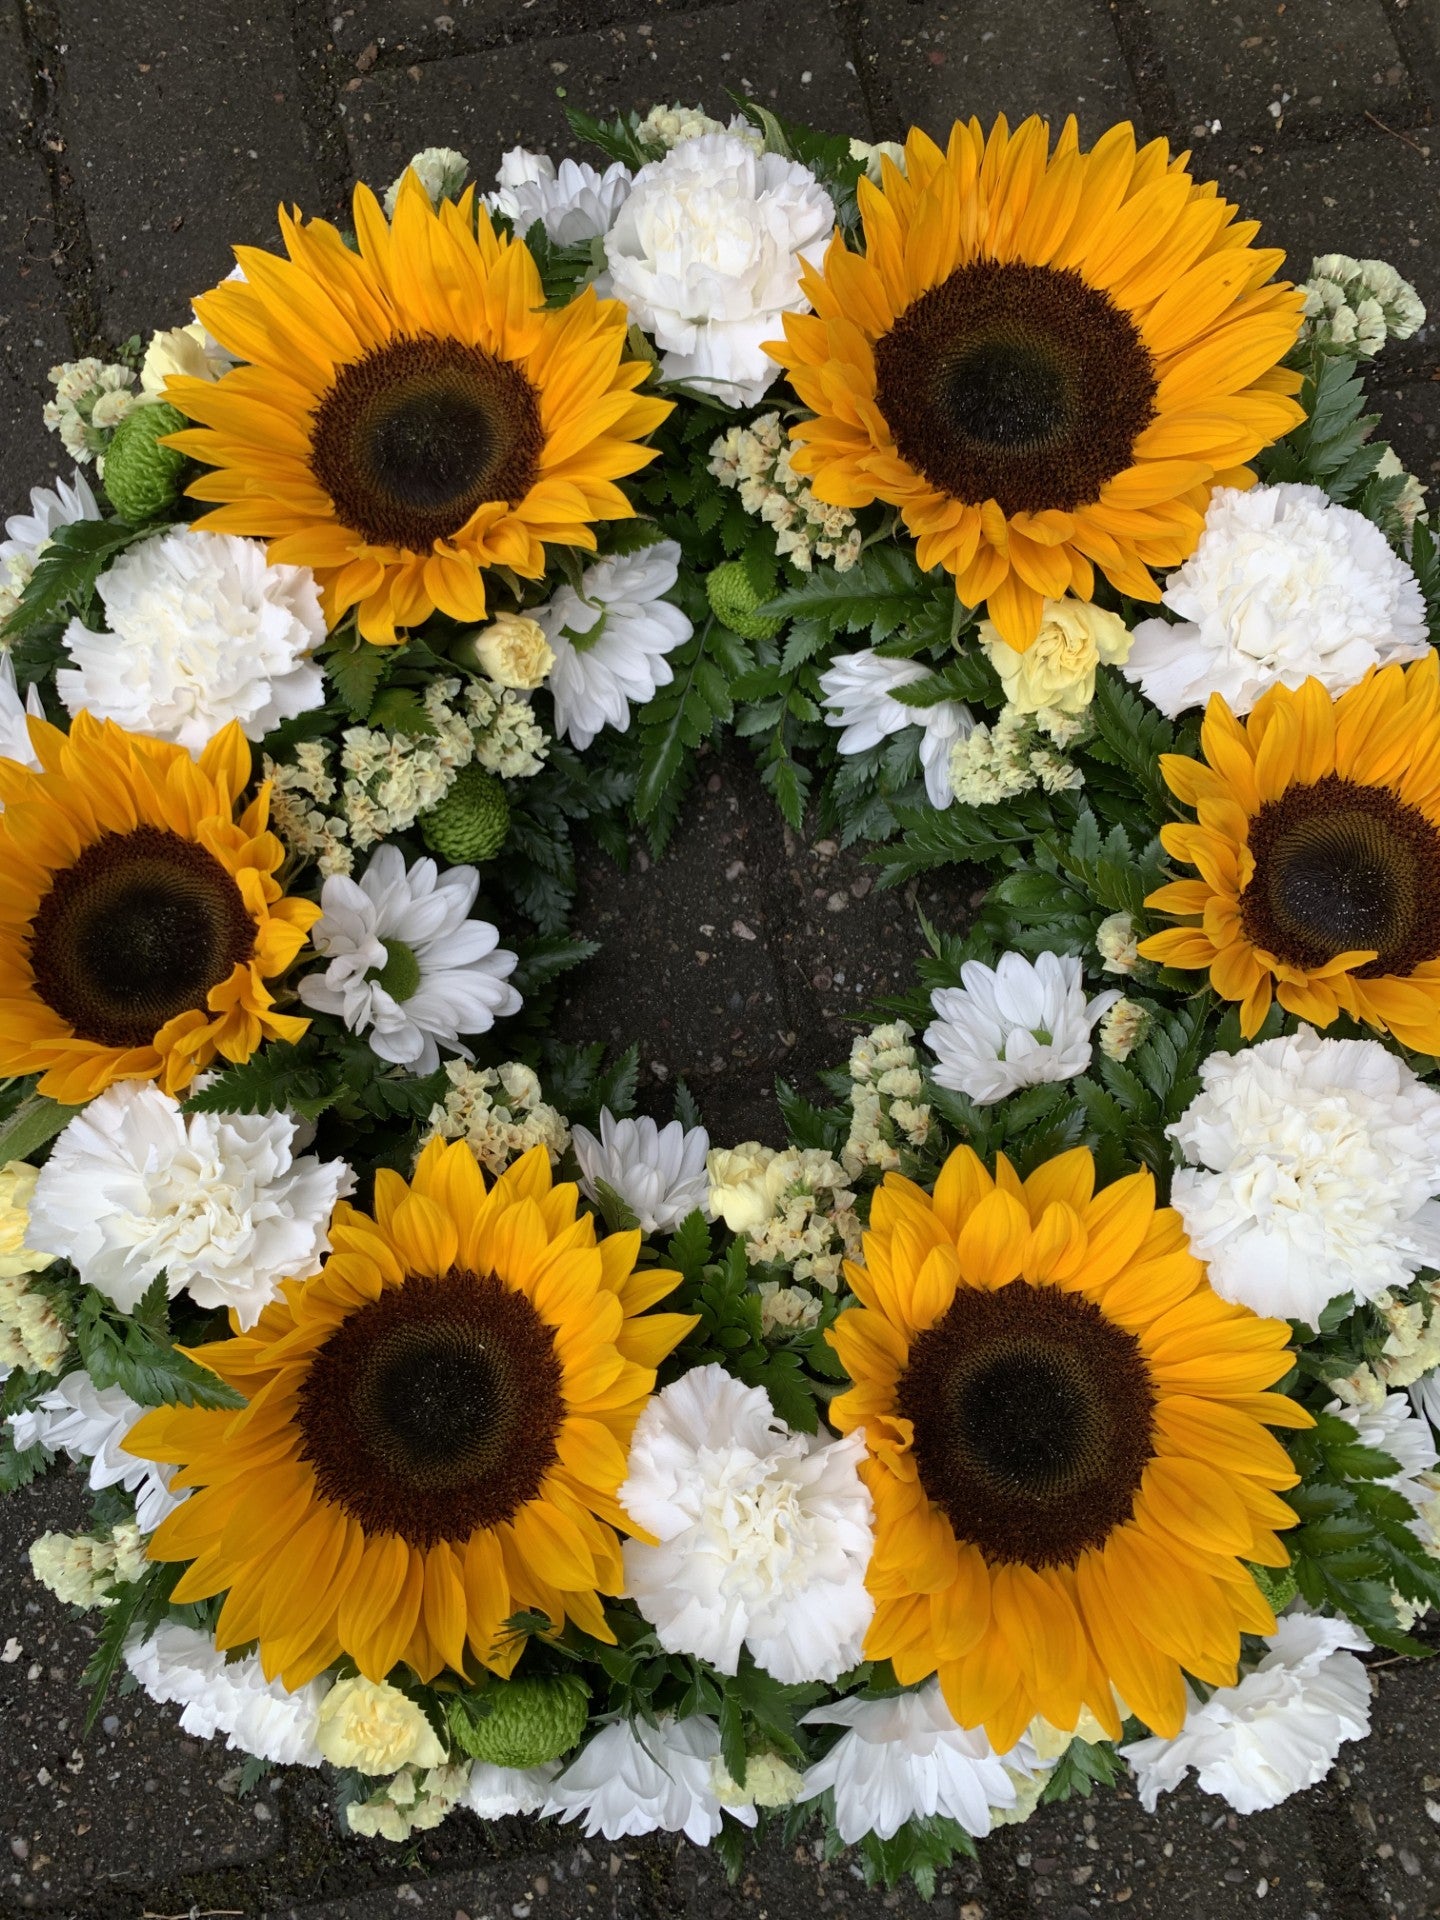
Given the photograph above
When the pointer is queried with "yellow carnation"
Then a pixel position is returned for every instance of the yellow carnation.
(513, 651)
(181, 350)
(372, 1726)
(17, 1184)
(739, 1191)
(1058, 668)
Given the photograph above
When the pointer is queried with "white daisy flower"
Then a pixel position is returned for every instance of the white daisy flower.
(574, 202)
(202, 630)
(1397, 1428)
(906, 1759)
(764, 1534)
(633, 1778)
(220, 1202)
(28, 534)
(408, 966)
(182, 1666)
(495, 1792)
(1013, 1025)
(90, 1423)
(15, 742)
(1313, 1166)
(859, 698)
(610, 639)
(659, 1172)
(1277, 1731)
(1284, 586)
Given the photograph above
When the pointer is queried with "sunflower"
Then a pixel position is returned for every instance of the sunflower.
(139, 918)
(1046, 362)
(1318, 843)
(411, 413)
(434, 1433)
(1064, 1445)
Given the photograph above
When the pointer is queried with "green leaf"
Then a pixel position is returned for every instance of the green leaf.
(732, 1735)
(139, 1608)
(134, 1352)
(67, 570)
(33, 1123)
(546, 957)
(882, 589)
(18, 1468)
(355, 673)
(677, 721)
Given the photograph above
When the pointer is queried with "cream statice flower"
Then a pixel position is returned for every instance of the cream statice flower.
(408, 966)
(390, 779)
(181, 1666)
(1057, 670)
(668, 126)
(90, 1423)
(1284, 586)
(575, 203)
(786, 1309)
(794, 1208)
(440, 170)
(221, 1203)
(763, 1535)
(91, 399)
(1122, 1029)
(611, 639)
(1274, 1733)
(1013, 1025)
(633, 1778)
(1355, 306)
(499, 1113)
(493, 1792)
(201, 630)
(754, 460)
(770, 1781)
(659, 1172)
(905, 1759)
(706, 254)
(81, 1568)
(411, 1801)
(27, 535)
(859, 691)
(885, 1105)
(374, 1727)
(509, 740)
(1313, 1166)
(33, 1332)
(996, 762)
(1397, 1428)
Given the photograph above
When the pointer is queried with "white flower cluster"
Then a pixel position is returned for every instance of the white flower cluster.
(91, 399)
(499, 1113)
(300, 790)
(658, 1172)
(794, 1209)
(27, 535)
(755, 461)
(885, 1107)
(666, 127)
(410, 1801)
(390, 779)
(1355, 306)
(442, 171)
(1017, 1024)
(80, 1568)
(575, 202)
(610, 637)
(998, 762)
(90, 1423)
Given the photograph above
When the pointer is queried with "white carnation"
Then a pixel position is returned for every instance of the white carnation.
(1276, 1731)
(1016, 1024)
(201, 631)
(634, 1778)
(659, 1172)
(611, 638)
(1313, 1170)
(764, 1534)
(574, 202)
(90, 1423)
(179, 1665)
(1284, 586)
(495, 1792)
(220, 1202)
(707, 252)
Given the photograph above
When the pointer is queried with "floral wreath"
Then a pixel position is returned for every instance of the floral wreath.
(1059, 1401)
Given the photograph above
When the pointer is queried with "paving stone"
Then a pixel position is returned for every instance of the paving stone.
(788, 53)
(1319, 63)
(1395, 1793)
(938, 64)
(185, 133)
(365, 30)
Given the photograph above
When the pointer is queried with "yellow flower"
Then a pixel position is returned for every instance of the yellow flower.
(1057, 669)
(411, 413)
(740, 1193)
(513, 651)
(373, 1727)
(181, 350)
(1046, 361)
(434, 1434)
(141, 921)
(1066, 1447)
(1317, 840)
(17, 1187)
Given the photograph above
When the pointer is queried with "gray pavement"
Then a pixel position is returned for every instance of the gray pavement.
(139, 140)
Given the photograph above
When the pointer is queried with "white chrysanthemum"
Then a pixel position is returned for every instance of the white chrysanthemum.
(408, 966)
(764, 1534)
(1277, 1730)
(707, 252)
(906, 1759)
(1013, 1025)
(442, 171)
(201, 631)
(1397, 1428)
(90, 1423)
(28, 534)
(182, 1666)
(1284, 586)
(633, 1778)
(15, 742)
(859, 691)
(574, 203)
(659, 1172)
(611, 639)
(220, 1202)
(1314, 1165)
(495, 1792)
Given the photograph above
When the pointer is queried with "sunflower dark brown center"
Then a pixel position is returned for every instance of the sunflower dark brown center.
(139, 930)
(1033, 1419)
(1340, 867)
(409, 441)
(1015, 383)
(434, 1410)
